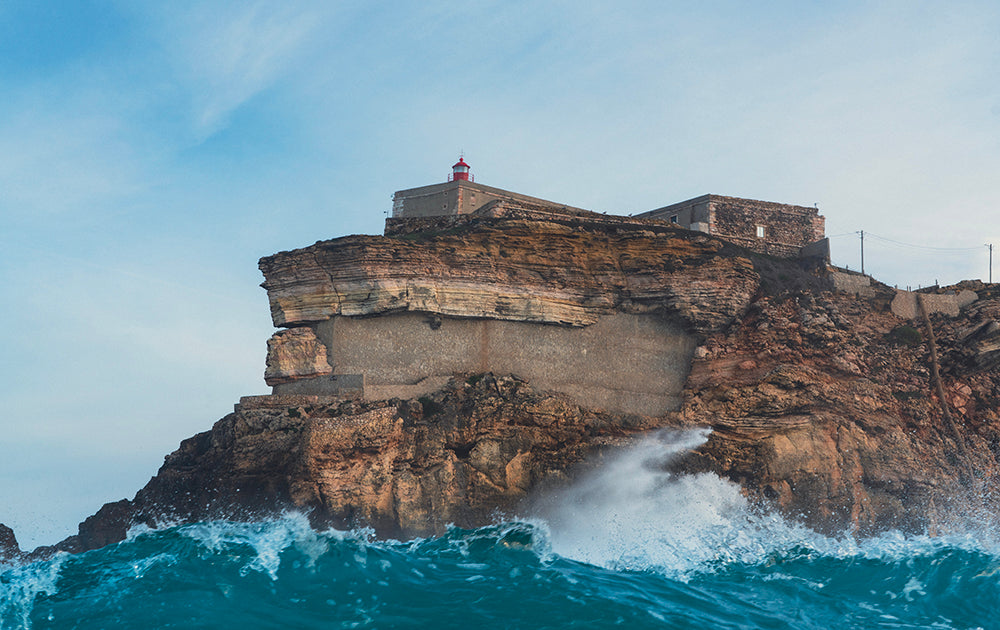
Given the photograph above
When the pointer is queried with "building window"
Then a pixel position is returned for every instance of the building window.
(673, 219)
(760, 231)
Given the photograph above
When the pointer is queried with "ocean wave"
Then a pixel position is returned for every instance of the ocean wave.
(282, 573)
(629, 544)
(632, 513)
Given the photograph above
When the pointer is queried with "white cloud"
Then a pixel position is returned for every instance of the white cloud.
(226, 53)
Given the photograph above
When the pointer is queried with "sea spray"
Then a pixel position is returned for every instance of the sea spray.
(631, 513)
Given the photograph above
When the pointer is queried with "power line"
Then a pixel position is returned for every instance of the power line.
(928, 247)
(931, 248)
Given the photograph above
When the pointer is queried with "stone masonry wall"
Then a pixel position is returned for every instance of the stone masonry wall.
(905, 303)
(786, 228)
(459, 197)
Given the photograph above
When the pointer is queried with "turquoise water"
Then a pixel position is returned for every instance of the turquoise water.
(628, 546)
(280, 574)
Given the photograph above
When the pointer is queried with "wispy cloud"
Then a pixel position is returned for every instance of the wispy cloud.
(226, 53)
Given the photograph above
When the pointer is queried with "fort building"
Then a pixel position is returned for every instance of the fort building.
(766, 227)
(778, 229)
(565, 310)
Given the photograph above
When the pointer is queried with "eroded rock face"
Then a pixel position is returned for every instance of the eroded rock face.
(824, 406)
(532, 271)
(295, 353)
(406, 468)
(820, 403)
(504, 295)
(9, 549)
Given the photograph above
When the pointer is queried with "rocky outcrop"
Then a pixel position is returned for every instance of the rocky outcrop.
(358, 305)
(824, 405)
(9, 549)
(295, 353)
(973, 342)
(404, 467)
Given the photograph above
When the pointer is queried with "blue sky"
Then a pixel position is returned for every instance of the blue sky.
(150, 153)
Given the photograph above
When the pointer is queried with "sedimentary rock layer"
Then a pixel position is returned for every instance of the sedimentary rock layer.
(295, 353)
(532, 271)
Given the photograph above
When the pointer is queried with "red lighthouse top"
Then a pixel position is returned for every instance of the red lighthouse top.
(460, 171)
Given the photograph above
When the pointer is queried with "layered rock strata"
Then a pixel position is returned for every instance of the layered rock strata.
(530, 271)
(504, 294)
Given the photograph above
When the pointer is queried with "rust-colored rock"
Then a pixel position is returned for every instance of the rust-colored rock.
(295, 353)
(838, 422)
(405, 468)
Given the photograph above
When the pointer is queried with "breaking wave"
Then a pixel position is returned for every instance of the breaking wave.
(629, 545)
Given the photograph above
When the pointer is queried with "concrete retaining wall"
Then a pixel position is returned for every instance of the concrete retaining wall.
(623, 363)
(905, 303)
(339, 385)
(851, 282)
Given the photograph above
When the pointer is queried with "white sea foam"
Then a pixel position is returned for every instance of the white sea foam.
(630, 513)
(268, 539)
(20, 585)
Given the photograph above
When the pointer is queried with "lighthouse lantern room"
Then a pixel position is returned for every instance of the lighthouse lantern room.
(460, 171)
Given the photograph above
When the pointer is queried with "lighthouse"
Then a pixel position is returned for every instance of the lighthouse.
(459, 195)
(460, 171)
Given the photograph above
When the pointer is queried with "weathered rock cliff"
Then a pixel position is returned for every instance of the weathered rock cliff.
(404, 467)
(825, 404)
(822, 404)
(604, 311)
(534, 271)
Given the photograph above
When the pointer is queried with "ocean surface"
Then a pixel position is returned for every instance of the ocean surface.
(627, 546)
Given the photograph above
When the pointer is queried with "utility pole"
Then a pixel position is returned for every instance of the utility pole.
(862, 252)
(990, 246)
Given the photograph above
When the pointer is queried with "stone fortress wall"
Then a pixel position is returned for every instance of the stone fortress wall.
(765, 227)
